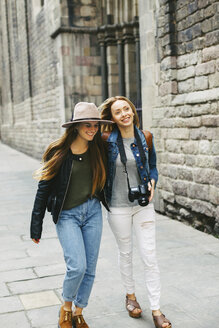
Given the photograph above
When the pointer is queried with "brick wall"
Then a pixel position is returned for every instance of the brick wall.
(0, 76)
(32, 106)
(50, 61)
(185, 84)
(81, 69)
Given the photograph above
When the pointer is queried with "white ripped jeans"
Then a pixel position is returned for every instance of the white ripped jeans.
(121, 220)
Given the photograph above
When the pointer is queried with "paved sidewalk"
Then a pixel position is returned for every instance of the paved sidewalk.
(31, 275)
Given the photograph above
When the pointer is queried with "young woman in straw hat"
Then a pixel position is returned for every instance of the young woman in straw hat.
(71, 188)
(130, 185)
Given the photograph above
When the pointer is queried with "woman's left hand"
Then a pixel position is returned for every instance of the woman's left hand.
(151, 189)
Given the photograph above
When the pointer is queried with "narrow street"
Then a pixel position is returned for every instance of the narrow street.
(31, 275)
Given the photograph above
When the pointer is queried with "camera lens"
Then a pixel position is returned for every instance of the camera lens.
(143, 201)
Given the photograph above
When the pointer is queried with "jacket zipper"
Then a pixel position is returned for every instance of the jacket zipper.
(65, 191)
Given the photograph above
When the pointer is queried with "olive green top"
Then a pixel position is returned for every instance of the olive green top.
(80, 184)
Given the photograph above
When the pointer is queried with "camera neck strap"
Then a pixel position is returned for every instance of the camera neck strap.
(123, 154)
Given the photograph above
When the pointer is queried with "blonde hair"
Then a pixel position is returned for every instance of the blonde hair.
(106, 113)
(58, 150)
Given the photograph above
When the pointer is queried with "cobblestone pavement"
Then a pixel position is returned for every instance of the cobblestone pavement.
(31, 275)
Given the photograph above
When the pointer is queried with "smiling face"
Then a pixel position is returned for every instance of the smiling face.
(122, 113)
(87, 130)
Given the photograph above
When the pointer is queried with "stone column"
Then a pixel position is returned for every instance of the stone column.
(130, 62)
(147, 10)
(120, 49)
(104, 70)
(112, 61)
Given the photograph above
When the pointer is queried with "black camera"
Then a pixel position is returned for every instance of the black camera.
(141, 193)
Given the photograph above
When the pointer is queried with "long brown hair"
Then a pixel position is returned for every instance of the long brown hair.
(58, 150)
(106, 114)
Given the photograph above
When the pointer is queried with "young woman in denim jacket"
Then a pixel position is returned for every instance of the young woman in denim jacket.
(125, 215)
(71, 187)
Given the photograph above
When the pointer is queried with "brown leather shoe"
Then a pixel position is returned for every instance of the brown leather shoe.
(131, 305)
(79, 322)
(160, 320)
(65, 318)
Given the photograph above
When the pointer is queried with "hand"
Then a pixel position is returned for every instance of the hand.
(36, 241)
(151, 189)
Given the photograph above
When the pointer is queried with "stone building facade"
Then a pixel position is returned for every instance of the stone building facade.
(180, 85)
(162, 54)
(56, 53)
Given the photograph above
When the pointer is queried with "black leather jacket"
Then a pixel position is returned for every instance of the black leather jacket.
(51, 195)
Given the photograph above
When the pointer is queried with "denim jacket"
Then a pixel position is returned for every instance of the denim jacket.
(113, 152)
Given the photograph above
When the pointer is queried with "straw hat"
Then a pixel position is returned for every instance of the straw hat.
(84, 112)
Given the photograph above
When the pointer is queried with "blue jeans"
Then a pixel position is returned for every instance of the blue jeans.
(79, 231)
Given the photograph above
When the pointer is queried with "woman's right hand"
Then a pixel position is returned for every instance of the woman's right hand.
(151, 186)
(36, 241)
